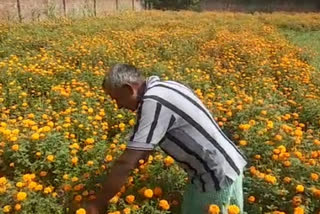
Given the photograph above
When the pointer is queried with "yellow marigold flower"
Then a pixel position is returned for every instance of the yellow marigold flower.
(90, 110)
(270, 179)
(163, 204)
(264, 112)
(74, 146)
(278, 137)
(50, 158)
(148, 193)
(270, 124)
(89, 141)
(108, 158)
(74, 179)
(39, 187)
(19, 184)
(233, 209)
(6, 209)
(243, 143)
(298, 133)
(114, 199)
(168, 161)
(131, 122)
(32, 185)
(214, 209)
(3, 181)
(74, 160)
(90, 163)
(35, 136)
(244, 127)
(126, 210)
(48, 190)
(21, 196)
(123, 147)
(122, 126)
(299, 188)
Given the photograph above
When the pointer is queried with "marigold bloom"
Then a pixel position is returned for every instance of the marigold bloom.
(148, 193)
(163, 204)
(130, 199)
(81, 211)
(15, 147)
(21, 196)
(214, 209)
(233, 209)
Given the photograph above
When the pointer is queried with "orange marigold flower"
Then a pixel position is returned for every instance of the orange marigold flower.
(233, 209)
(298, 210)
(163, 204)
(251, 199)
(148, 193)
(214, 209)
(157, 192)
(314, 176)
(130, 199)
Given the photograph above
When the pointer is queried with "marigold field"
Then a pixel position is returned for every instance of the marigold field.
(59, 134)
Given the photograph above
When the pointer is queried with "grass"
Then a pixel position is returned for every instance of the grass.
(307, 40)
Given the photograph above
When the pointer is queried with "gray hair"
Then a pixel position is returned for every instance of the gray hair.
(121, 74)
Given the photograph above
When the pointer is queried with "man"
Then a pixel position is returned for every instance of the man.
(169, 115)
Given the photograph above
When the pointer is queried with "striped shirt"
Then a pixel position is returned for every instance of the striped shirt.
(171, 116)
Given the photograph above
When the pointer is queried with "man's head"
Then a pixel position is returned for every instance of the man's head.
(124, 84)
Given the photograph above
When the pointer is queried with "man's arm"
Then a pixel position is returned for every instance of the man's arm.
(117, 178)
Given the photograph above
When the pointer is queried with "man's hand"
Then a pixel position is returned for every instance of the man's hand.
(117, 178)
(92, 209)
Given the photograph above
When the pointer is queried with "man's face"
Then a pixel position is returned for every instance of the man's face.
(125, 96)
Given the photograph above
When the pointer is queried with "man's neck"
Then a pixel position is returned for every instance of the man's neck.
(142, 90)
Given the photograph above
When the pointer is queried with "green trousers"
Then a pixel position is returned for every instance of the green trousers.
(196, 202)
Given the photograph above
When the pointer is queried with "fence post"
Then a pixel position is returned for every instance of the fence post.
(117, 5)
(19, 10)
(133, 5)
(95, 7)
(64, 7)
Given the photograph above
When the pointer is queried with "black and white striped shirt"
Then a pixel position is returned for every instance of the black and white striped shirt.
(172, 116)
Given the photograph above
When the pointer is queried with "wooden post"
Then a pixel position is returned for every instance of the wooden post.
(133, 5)
(117, 5)
(19, 10)
(95, 7)
(64, 7)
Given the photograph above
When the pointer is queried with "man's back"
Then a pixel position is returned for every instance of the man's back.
(171, 116)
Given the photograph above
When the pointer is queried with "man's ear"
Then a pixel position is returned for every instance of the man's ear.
(128, 89)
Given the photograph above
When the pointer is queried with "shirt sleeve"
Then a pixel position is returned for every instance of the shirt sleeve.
(152, 124)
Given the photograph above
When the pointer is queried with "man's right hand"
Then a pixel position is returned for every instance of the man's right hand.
(92, 209)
